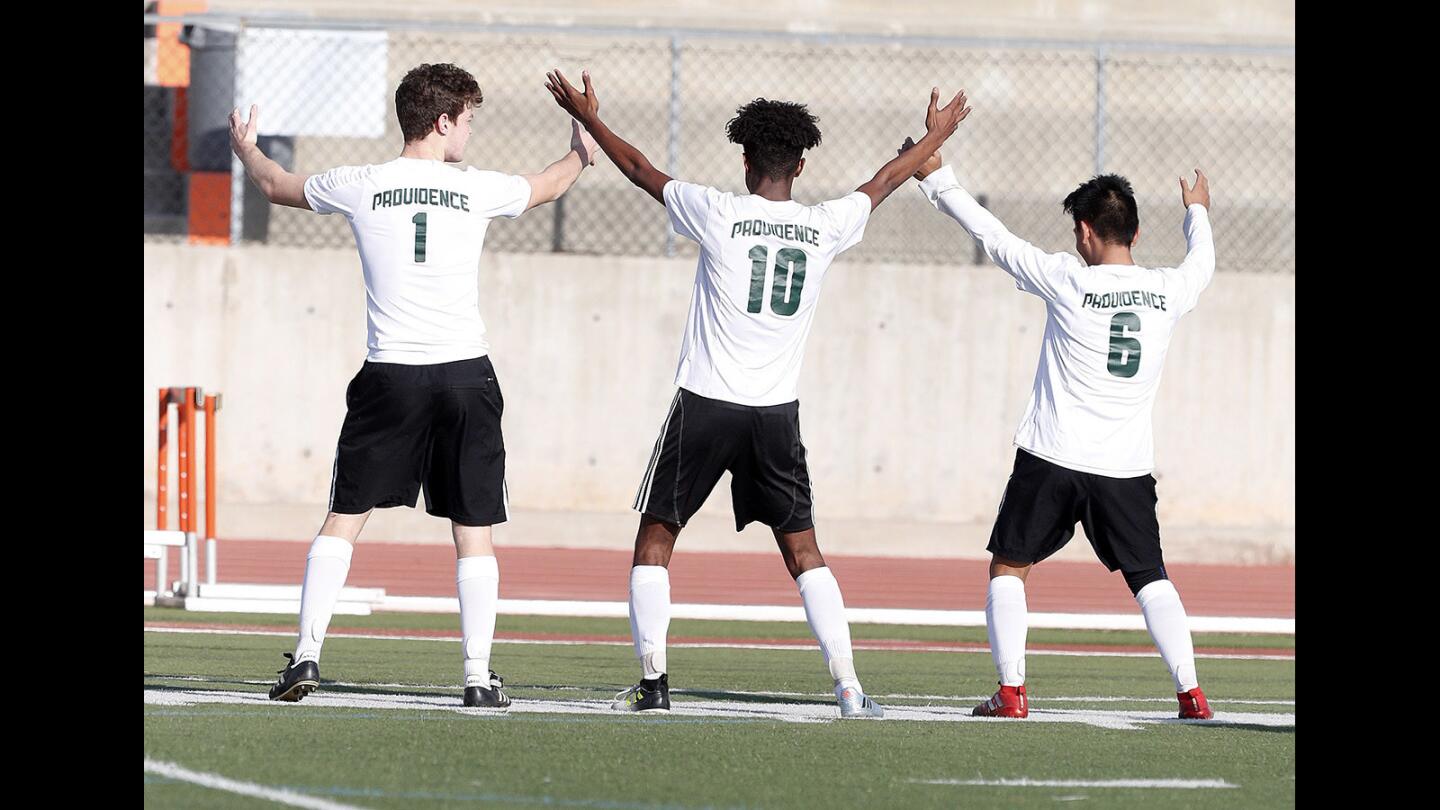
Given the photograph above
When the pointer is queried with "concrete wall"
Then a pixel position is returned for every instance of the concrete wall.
(914, 382)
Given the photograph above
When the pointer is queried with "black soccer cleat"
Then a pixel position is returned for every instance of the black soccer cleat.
(493, 698)
(648, 696)
(297, 679)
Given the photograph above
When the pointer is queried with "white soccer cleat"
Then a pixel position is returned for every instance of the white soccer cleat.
(855, 704)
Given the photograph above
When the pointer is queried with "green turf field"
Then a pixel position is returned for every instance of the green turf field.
(751, 728)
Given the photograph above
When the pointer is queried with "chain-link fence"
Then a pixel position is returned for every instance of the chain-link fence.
(1047, 117)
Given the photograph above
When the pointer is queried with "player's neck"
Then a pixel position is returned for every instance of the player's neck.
(774, 190)
(1110, 254)
(424, 149)
(1115, 255)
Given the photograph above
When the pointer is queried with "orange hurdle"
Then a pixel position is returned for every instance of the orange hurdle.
(190, 400)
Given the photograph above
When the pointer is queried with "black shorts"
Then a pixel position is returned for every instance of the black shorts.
(436, 426)
(1043, 501)
(760, 446)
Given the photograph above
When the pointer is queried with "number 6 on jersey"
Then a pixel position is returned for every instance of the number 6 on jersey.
(789, 279)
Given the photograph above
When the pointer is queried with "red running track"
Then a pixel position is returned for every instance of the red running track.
(761, 579)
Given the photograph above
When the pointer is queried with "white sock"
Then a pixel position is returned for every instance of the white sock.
(650, 616)
(478, 581)
(1165, 618)
(825, 611)
(1007, 620)
(326, 567)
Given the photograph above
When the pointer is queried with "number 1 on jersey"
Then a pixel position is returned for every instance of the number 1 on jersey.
(789, 280)
(419, 220)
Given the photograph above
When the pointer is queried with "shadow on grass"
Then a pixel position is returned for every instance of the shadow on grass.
(749, 698)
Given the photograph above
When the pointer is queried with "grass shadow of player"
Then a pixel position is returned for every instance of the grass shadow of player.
(747, 697)
(1228, 726)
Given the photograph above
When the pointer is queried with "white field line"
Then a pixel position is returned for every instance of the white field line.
(216, 782)
(715, 709)
(772, 613)
(858, 645)
(741, 692)
(1170, 784)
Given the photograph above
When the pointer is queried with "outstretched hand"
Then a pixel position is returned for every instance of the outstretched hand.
(947, 118)
(1197, 193)
(582, 106)
(931, 164)
(580, 141)
(247, 133)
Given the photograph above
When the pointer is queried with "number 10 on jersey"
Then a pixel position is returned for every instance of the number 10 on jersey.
(789, 279)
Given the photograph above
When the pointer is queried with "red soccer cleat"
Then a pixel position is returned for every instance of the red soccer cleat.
(1193, 705)
(1010, 701)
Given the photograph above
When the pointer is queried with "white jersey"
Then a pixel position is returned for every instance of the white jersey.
(1107, 330)
(762, 264)
(419, 225)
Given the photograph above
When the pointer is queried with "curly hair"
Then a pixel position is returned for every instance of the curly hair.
(774, 134)
(1107, 202)
(429, 91)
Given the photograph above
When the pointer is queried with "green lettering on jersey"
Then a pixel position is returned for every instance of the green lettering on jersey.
(758, 255)
(1124, 358)
(419, 220)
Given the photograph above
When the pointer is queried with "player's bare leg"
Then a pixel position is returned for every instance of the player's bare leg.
(326, 567)
(825, 611)
(650, 615)
(477, 581)
(1007, 623)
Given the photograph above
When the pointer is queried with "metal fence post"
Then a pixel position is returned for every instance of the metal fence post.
(1101, 53)
(237, 169)
(557, 230)
(672, 162)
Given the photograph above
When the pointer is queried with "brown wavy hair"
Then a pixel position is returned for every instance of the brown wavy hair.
(429, 91)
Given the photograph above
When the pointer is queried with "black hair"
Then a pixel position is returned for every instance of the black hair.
(774, 134)
(1108, 203)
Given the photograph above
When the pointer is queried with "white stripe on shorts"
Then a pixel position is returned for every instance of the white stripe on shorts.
(643, 496)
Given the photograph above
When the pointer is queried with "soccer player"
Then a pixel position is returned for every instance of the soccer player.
(425, 408)
(1085, 450)
(763, 259)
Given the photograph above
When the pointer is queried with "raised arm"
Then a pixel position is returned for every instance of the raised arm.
(1199, 265)
(940, 124)
(278, 186)
(1034, 270)
(557, 178)
(585, 108)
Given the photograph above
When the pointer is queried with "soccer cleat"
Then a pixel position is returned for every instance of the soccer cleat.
(855, 704)
(651, 696)
(1193, 705)
(493, 698)
(297, 679)
(1010, 701)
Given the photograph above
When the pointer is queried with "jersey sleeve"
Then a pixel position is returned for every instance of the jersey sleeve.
(689, 206)
(1034, 270)
(498, 194)
(1199, 265)
(850, 214)
(337, 191)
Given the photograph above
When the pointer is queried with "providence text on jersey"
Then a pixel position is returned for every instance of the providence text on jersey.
(794, 233)
(1128, 298)
(420, 196)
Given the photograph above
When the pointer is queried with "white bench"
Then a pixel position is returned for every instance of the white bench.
(156, 548)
